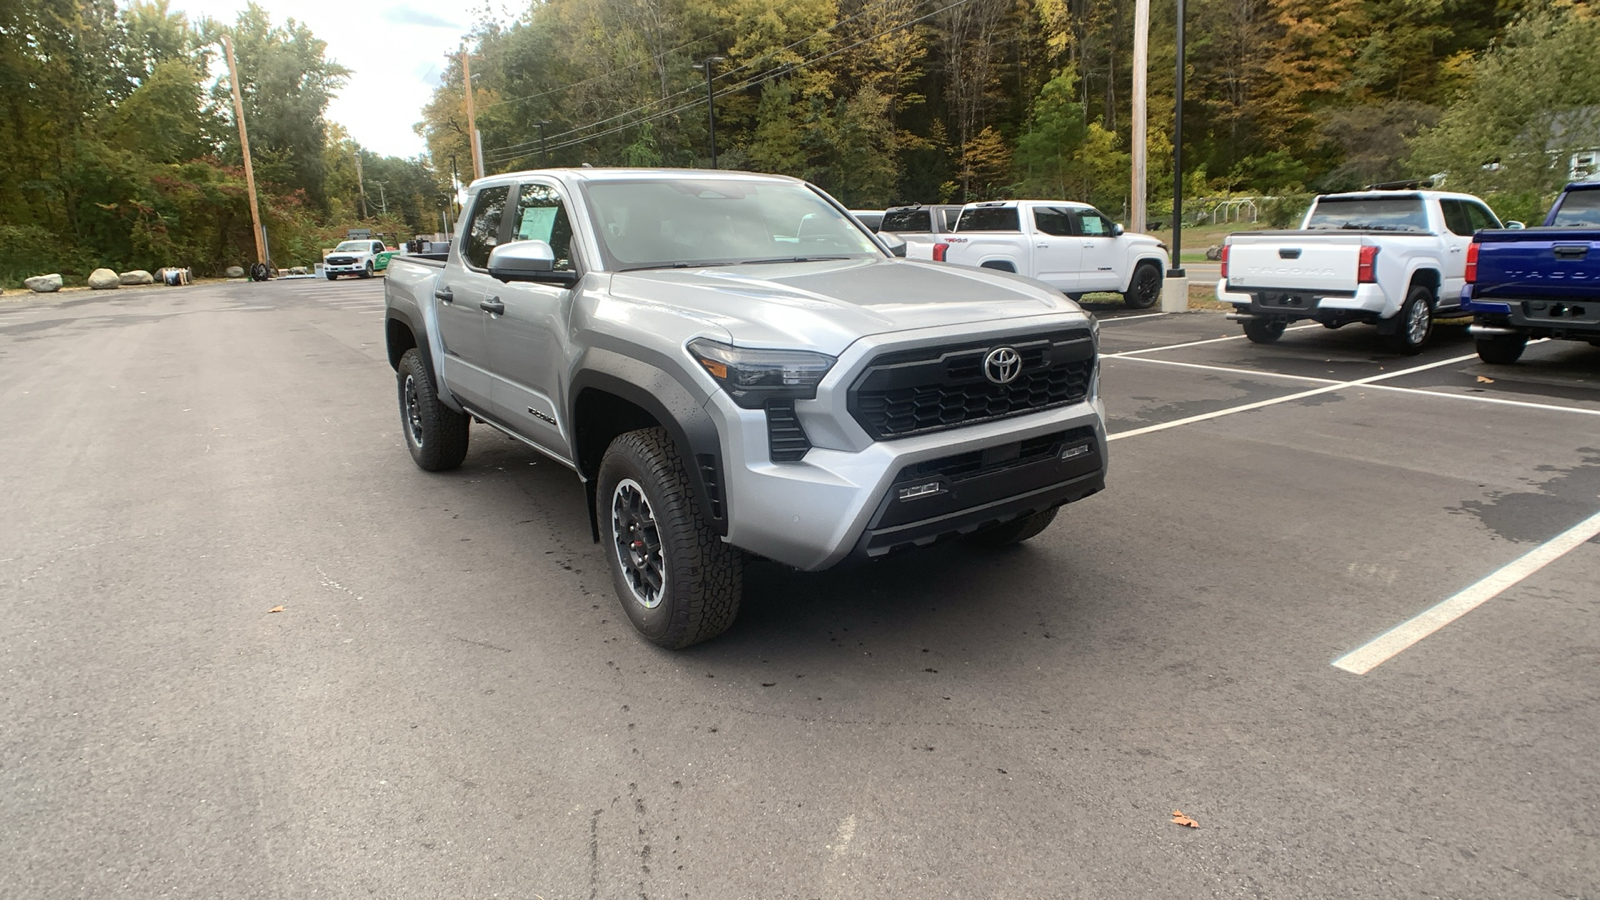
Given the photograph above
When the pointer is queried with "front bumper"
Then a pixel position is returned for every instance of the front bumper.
(1368, 303)
(842, 498)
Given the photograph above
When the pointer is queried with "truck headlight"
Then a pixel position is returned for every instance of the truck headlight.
(752, 377)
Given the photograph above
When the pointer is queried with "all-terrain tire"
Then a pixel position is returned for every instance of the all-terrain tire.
(679, 583)
(1502, 349)
(333, 276)
(1415, 322)
(367, 272)
(435, 434)
(1015, 531)
(1264, 331)
(1144, 289)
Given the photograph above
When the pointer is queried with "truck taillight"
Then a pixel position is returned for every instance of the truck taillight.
(1472, 263)
(1224, 262)
(1364, 269)
(939, 251)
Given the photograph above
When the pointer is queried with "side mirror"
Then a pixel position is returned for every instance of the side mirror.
(1514, 225)
(527, 261)
(894, 243)
(1116, 229)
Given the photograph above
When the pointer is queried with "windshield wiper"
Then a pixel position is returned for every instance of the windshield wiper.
(789, 259)
(675, 265)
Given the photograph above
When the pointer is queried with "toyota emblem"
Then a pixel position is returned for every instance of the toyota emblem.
(1002, 365)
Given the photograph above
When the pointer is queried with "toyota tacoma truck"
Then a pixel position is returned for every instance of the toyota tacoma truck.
(1394, 259)
(361, 258)
(1537, 282)
(735, 367)
(1072, 247)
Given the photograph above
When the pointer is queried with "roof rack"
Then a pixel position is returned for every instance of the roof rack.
(1415, 185)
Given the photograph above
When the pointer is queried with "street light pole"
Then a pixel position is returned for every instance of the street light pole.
(711, 106)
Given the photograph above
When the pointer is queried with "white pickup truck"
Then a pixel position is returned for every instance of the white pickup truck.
(1395, 259)
(1072, 247)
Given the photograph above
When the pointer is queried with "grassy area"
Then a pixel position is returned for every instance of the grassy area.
(1196, 238)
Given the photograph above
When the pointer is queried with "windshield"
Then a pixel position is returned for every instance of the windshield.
(1369, 214)
(354, 246)
(988, 218)
(1580, 209)
(683, 223)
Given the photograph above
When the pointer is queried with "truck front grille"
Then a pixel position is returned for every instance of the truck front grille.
(340, 260)
(918, 391)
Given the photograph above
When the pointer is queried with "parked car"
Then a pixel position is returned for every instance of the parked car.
(732, 365)
(921, 226)
(361, 258)
(1537, 282)
(1072, 247)
(1394, 259)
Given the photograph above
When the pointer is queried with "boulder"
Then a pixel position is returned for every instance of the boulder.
(137, 276)
(234, 272)
(1214, 252)
(43, 284)
(104, 280)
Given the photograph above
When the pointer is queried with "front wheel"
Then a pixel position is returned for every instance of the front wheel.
(435, 434)
(678, 582)
(1264, 331)
(1415, 322)
(333, 276)
(367, 272)
(1015, 531)
(1145, 287)
(1502, 349)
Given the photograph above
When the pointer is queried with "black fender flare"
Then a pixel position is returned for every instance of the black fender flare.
(419, 338)
(671, 404)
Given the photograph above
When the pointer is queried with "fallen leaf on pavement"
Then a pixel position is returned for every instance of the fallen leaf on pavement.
(1484, 379)
(1178, 818)
(275, 609)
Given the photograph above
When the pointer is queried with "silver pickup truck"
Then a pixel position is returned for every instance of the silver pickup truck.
(734, 366)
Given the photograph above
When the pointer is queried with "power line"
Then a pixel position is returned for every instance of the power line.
(747, 83)
(512, 151)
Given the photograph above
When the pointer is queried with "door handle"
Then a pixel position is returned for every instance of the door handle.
(493, 306)
(444, 295)
(1455, 249)
(1043, 246)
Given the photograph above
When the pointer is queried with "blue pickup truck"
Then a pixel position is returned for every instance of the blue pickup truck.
(1537, 282)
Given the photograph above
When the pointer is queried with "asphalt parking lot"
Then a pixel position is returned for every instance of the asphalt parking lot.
(449, 702)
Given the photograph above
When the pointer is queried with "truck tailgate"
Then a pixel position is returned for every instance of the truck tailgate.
(1538, 264)
(1293, 262)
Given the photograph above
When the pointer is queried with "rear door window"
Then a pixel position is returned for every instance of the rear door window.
(1580, 209)
(1456, 217)
(1480, 215)
(989, 218)
(483, 232)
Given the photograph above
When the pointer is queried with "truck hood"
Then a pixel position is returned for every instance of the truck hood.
(826, 306)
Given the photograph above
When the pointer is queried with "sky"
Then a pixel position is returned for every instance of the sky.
(395, 49)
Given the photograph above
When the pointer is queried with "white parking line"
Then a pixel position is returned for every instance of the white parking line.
(1236, 337)
(1386, 646)
(1289, 398)
(1474, 398)
(1104, 322)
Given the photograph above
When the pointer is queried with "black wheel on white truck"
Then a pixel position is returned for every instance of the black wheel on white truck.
(678, 581)
(1414, 322)
(1144, 289)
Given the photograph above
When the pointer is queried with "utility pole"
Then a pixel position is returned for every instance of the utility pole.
(362, 182)
(1141, 71)
(472, 117)
(383, 198)
(244, 146)
(1177, 160)
(711, 105)
(544, 156)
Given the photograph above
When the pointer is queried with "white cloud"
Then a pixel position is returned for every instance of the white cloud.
(396, 52)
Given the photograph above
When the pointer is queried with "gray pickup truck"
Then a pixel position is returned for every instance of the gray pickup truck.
(733, 366)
